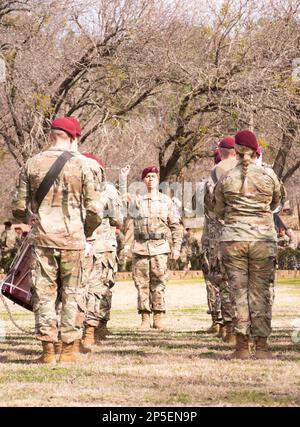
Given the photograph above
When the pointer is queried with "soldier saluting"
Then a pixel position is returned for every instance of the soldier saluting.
(154, 216)
(58, 233)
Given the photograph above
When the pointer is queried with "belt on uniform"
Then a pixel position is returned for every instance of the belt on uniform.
(149, 236)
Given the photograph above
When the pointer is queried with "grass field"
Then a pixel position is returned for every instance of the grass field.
(182, 366)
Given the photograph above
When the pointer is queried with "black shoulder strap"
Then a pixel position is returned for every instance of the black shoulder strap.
(214, 176)
(51, 176)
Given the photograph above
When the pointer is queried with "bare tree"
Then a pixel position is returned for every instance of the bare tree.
(97, 66)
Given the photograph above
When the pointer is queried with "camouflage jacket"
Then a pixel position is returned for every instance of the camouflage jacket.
(223, 167)
(72, 205)
(248, 217)
(212, 226)
(104, 237)
(155, 214)
(190, 246)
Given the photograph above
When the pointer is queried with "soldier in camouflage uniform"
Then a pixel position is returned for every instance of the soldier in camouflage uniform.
(189, 251)
(207, 245)
(217, 273)
(7, 242)
(101, 265)
(218, 295)
(154, 214)
(244, 200)
(58, 237)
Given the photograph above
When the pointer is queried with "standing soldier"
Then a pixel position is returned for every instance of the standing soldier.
(208, 234)
(8, 242)
(153, 216)
(101, 264)
(216, 270)
(189, 250)
(210, 240)
(244, 200)
(56, 188)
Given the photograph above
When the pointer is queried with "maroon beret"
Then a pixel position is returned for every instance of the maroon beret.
(217, 157)
(91, 156)
(246, 138)
(227, 142)
(65, 124)
(149, 169)
(76, 124)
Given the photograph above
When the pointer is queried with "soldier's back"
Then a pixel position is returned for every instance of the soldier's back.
(60, 215)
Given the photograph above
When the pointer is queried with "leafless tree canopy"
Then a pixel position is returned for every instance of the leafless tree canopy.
(152, 80)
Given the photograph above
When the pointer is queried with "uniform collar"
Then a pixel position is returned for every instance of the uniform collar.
(151, 196)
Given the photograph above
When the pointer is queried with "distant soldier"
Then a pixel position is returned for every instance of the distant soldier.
(101, 263)
(283, 239)
(244, 199)
(213, 294)
(153, 214)
(286, 236)
(58, 234)
(188, 250)
(8, 242)
(19, 238)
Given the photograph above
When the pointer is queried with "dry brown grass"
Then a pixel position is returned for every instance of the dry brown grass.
(182, 366)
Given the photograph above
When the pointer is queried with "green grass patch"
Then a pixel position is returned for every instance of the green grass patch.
(42, 374)
(288, 281)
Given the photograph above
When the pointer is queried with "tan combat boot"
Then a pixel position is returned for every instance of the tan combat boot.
(229, 337)
(67, 354)
(88, 339)
(262, 349)
(214, 328)
(48, 356)
(241, 348)
(157, 320)
(101, 331)
(221, 332)
(145, 325)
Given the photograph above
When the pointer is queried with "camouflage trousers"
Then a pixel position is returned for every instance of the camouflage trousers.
(217, 276)
(57, 272)
(98, 279)
(212, 291)
(150, 275)
(213, 300)
(250, 268)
